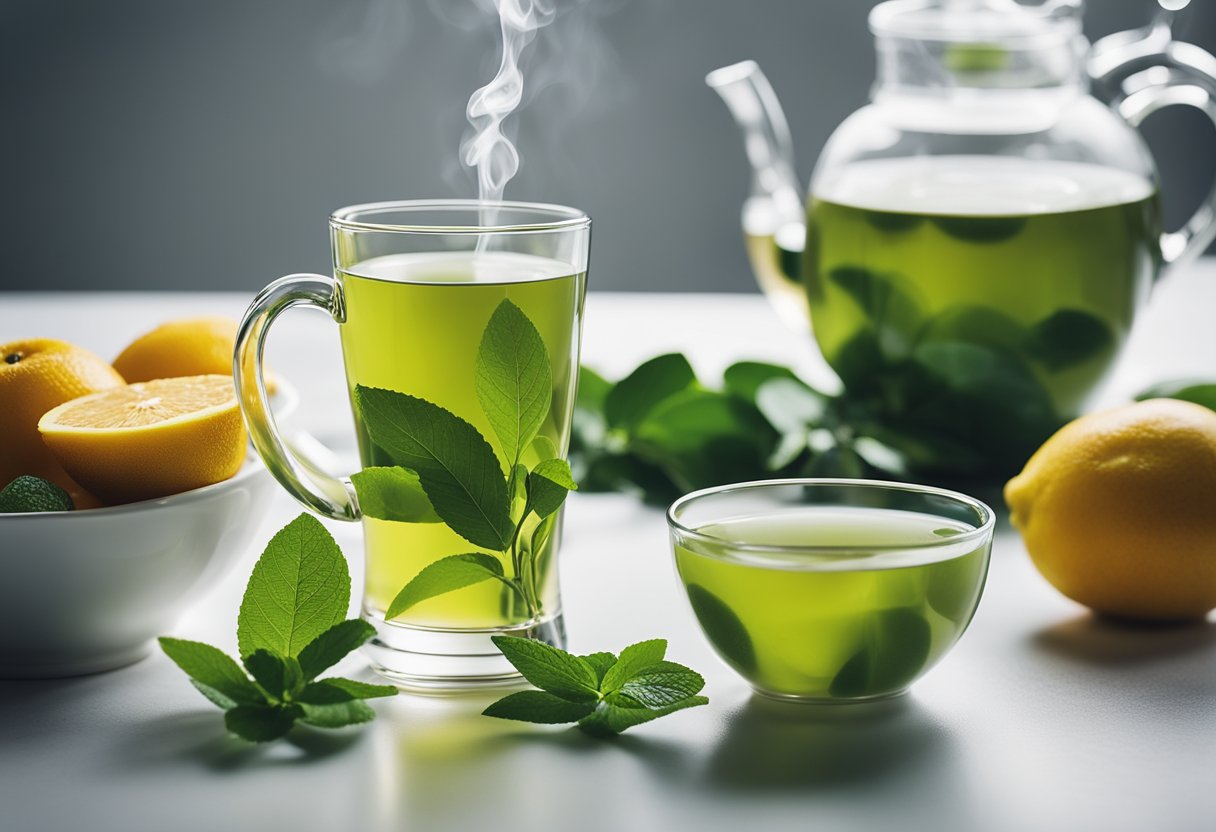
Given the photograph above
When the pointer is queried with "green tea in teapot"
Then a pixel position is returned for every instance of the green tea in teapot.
(974, 303)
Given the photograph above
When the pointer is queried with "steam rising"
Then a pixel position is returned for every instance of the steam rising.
(489, 149)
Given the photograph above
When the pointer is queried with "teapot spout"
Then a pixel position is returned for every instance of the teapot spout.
(776, 198)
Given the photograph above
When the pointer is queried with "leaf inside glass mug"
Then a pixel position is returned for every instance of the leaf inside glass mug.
(443, 576)
(1067, 337)
(457, 467)
(393, 493)
(514, 378)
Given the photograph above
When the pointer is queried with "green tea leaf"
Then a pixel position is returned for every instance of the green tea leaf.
(663, 684)
(1187, 390)
(299, 588)
(600, 663)
(633, 660)
(609, 719)
(981, 229)
(1068, 337)
(723, 629)
(540, 707)
(893, 313)
(393, 493)
(274, 674)
(211, 667)
(549, 668)
(544, 448)
(458, 469)
(894, 650)
(548, 484)
(328, 648)
(337, 715)
(262, 723)
(514, 378)
(636, 395)
(30, 494)
(443, 576)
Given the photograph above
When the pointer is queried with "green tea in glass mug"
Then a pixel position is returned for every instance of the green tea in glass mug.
(459, 324)
(980, 236)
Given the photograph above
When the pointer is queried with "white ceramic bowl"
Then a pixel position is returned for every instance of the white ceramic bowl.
(86, 591)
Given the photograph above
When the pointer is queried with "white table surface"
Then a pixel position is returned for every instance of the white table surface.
(1040, 719)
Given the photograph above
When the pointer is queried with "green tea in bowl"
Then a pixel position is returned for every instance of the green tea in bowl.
(831, 590)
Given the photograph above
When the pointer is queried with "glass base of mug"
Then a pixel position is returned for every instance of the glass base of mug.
(429, 660)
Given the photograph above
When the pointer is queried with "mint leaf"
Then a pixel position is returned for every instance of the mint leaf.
(210, 667)
(29, 494)
(514, 378)
(609, 719)
(539, 706)
(544, 447)
(600, 662)
(261, 723)
(393, 493)
(360, 690)
(337, 715)
(549, 668)
(445, 575)
(331, 646)
(723, 628)
(663, 684)
(299, 588)
(333, 691)
(218, 699)
(789, 405)
(275, 675)
(633, 659)
(633, 397)
(548, 484)
(457, 467)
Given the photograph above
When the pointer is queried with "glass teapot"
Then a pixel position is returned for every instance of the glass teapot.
(976, 241)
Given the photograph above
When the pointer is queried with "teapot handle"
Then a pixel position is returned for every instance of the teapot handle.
(1155, 93)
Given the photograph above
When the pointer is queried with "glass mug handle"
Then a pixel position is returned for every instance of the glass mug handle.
(1191, 87)
(307, 481)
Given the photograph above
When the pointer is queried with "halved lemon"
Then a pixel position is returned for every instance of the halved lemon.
(150, 439)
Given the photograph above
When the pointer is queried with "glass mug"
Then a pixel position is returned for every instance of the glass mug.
(415, 286)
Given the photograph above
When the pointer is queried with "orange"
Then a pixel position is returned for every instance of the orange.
(185, 347)
(1118, 510)
(150, 439)
(35, 376)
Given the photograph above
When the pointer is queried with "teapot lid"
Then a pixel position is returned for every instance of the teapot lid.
(974, 21)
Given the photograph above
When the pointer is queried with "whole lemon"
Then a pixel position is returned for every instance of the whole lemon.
(1118, 510)
(36, 375)
(184, 347)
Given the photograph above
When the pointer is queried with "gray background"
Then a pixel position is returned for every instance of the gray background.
(175, 144)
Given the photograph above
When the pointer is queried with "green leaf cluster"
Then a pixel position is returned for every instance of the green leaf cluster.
(443, 470)
(290, 630)
(603, 693)
(950, 395)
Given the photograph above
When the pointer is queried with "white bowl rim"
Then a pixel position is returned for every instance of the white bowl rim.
(251, 467)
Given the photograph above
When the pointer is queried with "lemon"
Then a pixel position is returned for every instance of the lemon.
(185, 347)
(36, 375)
(150, 439)
(1118, 510)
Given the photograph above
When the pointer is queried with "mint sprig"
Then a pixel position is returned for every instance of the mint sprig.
(603, 693)
(290, 629)
(445, 470)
